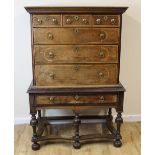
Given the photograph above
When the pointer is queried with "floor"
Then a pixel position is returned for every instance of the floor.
(131, 133)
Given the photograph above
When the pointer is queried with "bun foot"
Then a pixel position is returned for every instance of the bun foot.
(35, 146)
(117, 143)
(76, 145)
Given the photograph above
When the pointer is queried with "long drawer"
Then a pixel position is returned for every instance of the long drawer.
(49, 54)
(67, 100)
(76, 35)
(77, 74)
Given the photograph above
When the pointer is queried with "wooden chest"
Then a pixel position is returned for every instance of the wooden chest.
(75, 58)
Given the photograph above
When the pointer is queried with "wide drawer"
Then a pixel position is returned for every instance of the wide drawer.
(76, 35)
(46, 20)
(68, 100)
(49, 54)
(72, 75)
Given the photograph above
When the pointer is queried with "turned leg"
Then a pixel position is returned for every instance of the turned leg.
(118, 120)
(33, 123)
(76, 143)
(110, 114)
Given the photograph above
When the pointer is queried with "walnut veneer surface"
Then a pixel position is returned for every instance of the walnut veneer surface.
(76, 61)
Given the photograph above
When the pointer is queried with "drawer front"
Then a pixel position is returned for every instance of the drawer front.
(76, 35)
(72, 75)
(56, 100)
(106, 20)
(76, 20)
(49, 54)
(46, 20)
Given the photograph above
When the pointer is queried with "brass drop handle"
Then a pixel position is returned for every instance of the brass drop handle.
(52, 75)
(102, 98)
(54, 20)
(102, 54)
(51, 55)
(68, 21)
(52, 99)
(101, 74)
(84, 21)
(39, 21)
(102, 35)
(112, 20)
(76, 97)
(50, 36)
(98, 21)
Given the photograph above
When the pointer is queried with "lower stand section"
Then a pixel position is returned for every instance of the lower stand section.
(41, 123)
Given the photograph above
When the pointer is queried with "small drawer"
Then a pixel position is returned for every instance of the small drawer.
(46, 20)
(106, 20)
(76, 20)
(76, 100)
(50, 54)
(77, 74)
(76, 35)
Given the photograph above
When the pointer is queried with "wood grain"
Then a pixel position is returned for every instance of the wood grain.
(76, 35)
(131, 133)
(49, 54)
(66, 75)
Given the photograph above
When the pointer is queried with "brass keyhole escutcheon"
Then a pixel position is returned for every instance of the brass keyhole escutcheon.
(76, 31)
(76, 49)
(102, 98)
(76, 68)
(76, 17)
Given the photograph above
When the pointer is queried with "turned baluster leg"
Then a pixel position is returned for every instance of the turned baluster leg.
(118, 120)
(33, 123)
(110, 114)
(77, 121)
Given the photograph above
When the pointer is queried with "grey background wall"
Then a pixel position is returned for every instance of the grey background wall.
(130, 54)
